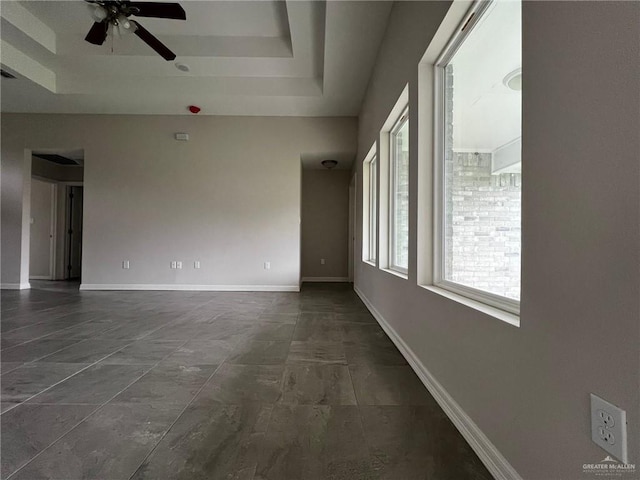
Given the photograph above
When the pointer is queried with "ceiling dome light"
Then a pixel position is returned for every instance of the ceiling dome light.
(183, 67)
(513, 80)
(329, 164)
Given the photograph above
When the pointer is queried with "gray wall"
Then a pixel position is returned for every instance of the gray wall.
(325, 223)
(528, 388)
(230, 197)
(41, 229)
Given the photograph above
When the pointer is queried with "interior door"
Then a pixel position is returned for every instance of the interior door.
(74, 231)
(42, 230)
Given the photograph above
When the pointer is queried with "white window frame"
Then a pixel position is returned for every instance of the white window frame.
(370, 207)
(384, 179)
(504, 304)
(402, 119)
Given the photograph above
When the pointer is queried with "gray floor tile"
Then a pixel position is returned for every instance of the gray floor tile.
(9, 343)
(6, 367)
(201, 352)
(306, 307)
(235, 384)
(28, 380)
(95, 385)
(133, 331)
(388, 385)
(143, 352)
(317, 316)
(6, 406)
(259, 353)
(29, 429)
(281, 332)
(87, 351)
(280, 314)
(355, 317)
(317, 385)
(359, 353)
(39, 330)
(110, 444)
(314, 443)
(316, 330)
(365, 333)
(175, 384)
(317, 353)
(85, 330)
(214, 442)
(418, 442)
(31, 351)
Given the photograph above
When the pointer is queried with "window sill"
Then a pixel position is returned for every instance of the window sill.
(369, 262)
(507, 317)
(396, 273)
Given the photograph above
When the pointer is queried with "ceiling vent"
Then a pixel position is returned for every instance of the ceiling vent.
(59, 159)
(5, 74)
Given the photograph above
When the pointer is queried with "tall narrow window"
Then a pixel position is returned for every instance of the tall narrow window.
(370, 207)
(479, 88)
(399, 194)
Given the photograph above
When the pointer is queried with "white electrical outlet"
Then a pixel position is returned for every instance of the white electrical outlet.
(174, 265)
(322, 261)
(125, 264)
(196, 264)
(178, 264)
(609, 427)
(267, 265)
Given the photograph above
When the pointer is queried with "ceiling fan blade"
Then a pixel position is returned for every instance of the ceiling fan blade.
(159, 10)
(98, 33)
(153, 42)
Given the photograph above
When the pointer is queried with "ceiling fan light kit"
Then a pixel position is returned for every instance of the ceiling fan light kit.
(112, 16)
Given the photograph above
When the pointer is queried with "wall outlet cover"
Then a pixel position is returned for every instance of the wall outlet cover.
(609, 427)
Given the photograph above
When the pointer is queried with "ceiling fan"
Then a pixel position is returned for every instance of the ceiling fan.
(116, 13)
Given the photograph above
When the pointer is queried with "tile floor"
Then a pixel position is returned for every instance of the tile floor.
(201, 385)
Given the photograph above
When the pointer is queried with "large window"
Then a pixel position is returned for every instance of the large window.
(479, 180)
(399, 194)
(370, 207)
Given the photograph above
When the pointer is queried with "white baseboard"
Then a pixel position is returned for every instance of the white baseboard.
(191, 288)
(497, 465)
(40, 277)
(325, 279)
(15, 286)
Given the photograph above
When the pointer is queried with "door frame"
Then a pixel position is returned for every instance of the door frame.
(352, 226)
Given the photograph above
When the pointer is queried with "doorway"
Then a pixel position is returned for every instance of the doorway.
(56, 219)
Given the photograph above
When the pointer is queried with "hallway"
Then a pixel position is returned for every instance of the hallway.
(204, 385)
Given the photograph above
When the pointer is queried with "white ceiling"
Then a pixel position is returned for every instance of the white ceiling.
(294, 57)
(488, 114)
